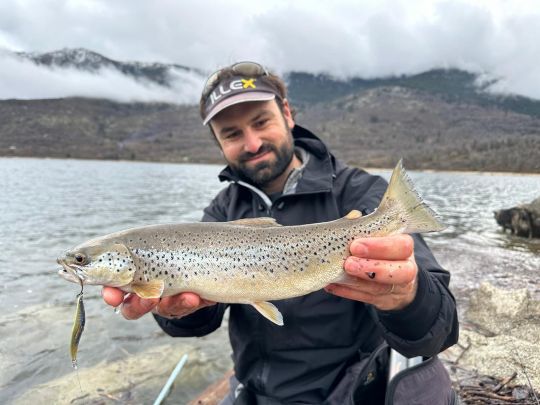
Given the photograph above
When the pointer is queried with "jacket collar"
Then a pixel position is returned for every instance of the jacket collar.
(320, 169)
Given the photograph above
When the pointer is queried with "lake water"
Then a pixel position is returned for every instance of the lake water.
(48, 206)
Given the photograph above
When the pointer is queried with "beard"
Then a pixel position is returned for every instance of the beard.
(265, 172)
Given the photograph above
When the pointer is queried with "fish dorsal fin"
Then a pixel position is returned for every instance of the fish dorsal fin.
(149, 289)
(269, 311)
(354, 214)
(263, 222)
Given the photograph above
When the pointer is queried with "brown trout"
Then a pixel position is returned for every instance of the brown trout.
(248, 261)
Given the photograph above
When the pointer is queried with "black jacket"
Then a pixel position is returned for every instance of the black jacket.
(323, 334)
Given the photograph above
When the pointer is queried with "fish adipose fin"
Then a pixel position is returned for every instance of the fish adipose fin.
(263, 222)
(403, 202)
(149, 289)
(269, 311)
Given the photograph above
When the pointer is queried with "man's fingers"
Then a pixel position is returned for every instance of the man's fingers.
(381, 301)
(134, 307)
(368, 287)
(382, 296)
(190, 300)
(112, 296)
(398, 247)
(180, 305)
(382, 271)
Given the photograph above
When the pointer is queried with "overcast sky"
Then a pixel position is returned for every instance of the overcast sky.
(343, 37)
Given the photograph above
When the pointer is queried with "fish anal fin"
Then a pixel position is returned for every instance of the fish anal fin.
(149, 289)
(354, 214)
(269, 311)
(262, 222)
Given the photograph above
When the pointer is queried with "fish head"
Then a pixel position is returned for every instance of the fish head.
(99, 263)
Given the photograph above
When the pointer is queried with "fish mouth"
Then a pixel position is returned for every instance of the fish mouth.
(71, 272)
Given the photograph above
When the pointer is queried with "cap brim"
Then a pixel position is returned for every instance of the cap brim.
(237, 99)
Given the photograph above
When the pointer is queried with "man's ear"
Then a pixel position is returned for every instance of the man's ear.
(287, 113)
(214, 136)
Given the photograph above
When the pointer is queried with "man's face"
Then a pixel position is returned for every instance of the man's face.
(256, 139)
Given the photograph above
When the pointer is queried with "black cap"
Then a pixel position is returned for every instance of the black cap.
(235, 90)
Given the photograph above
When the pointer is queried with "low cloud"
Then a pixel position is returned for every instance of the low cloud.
(344, 38)
(22, 79)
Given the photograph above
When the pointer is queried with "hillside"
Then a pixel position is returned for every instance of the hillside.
(378, 126)
(372, 128)
(441, 119)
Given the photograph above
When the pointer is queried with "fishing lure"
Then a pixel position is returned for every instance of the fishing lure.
(78, 328)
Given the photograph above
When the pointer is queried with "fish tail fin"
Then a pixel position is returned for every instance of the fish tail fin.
(402, 201)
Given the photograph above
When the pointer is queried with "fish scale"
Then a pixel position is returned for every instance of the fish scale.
(248, 261)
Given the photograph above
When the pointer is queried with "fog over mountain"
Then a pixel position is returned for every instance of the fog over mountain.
(83, 73)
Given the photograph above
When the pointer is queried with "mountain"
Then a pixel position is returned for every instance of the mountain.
(86, 60)
(452, 85)
(440, 119)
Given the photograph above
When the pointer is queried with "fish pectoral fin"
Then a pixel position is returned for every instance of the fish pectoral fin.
(354, 214)
(269, 311)
(263, 222)
(149, 289)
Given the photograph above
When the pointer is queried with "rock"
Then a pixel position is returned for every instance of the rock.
(520, 393)
(503, 334)
(523, 220)
(503, 311)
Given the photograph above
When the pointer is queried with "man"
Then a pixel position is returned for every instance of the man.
(332, 348)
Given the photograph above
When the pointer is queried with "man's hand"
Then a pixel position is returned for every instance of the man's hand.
(173, 307)
(384, 270)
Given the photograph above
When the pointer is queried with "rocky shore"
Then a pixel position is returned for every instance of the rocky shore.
(496, 361)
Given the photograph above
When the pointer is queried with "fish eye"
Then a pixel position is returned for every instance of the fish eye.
(80, 258)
